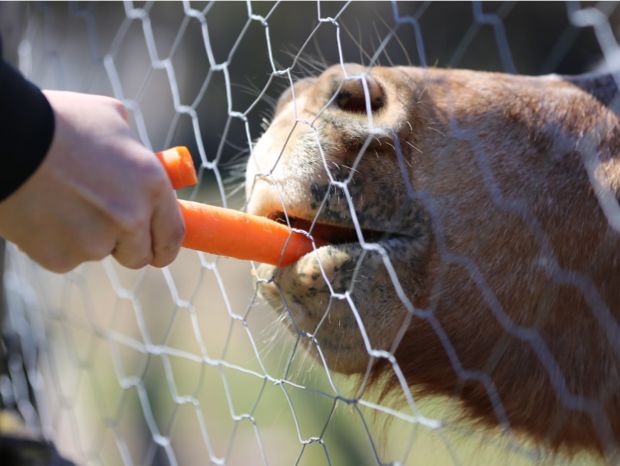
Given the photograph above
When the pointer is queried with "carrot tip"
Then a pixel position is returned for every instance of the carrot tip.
(228, 232)
(179, 166)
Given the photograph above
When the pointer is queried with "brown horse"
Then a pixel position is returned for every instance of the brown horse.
(474, 228)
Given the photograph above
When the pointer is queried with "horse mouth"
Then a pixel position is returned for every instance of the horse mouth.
(333, 234)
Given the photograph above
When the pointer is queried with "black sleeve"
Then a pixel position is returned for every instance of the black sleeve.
(26, 128)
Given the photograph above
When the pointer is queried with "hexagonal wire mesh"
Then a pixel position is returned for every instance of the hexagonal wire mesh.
(187, 365)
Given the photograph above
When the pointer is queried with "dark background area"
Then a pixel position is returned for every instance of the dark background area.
(526, 38)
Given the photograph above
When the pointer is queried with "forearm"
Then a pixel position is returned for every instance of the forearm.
(26, 128)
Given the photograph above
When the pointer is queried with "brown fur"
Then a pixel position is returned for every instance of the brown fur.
(510, 262)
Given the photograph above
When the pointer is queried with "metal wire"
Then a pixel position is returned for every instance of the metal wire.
(186, 365)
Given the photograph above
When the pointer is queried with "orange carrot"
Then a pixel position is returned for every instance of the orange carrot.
(228, 232)
(179, 166)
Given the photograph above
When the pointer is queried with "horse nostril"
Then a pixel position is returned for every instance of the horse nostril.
(352, 98)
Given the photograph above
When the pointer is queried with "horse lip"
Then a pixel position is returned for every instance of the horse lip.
(328, 233)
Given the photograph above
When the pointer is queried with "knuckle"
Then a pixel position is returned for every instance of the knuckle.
(173, 240)
(162, 261)
(99, 249)
(151, 177)
(133, 221)
(135, 261)
(139, 223)
(177, 235)
(63, 268)
(139, 263)
(58, 263)
(49, 259)
(58, 255)
(164, 258)
(120, 108)
(168, 251)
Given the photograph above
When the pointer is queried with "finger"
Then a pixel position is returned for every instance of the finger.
(167, 230)
(95, 236)
(52, 261)
(59, 259)
(133, 249)
(92, 239)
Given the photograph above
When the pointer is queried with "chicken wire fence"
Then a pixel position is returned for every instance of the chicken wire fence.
(187, 364)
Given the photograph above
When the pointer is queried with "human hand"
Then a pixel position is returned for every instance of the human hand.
(97, 192)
